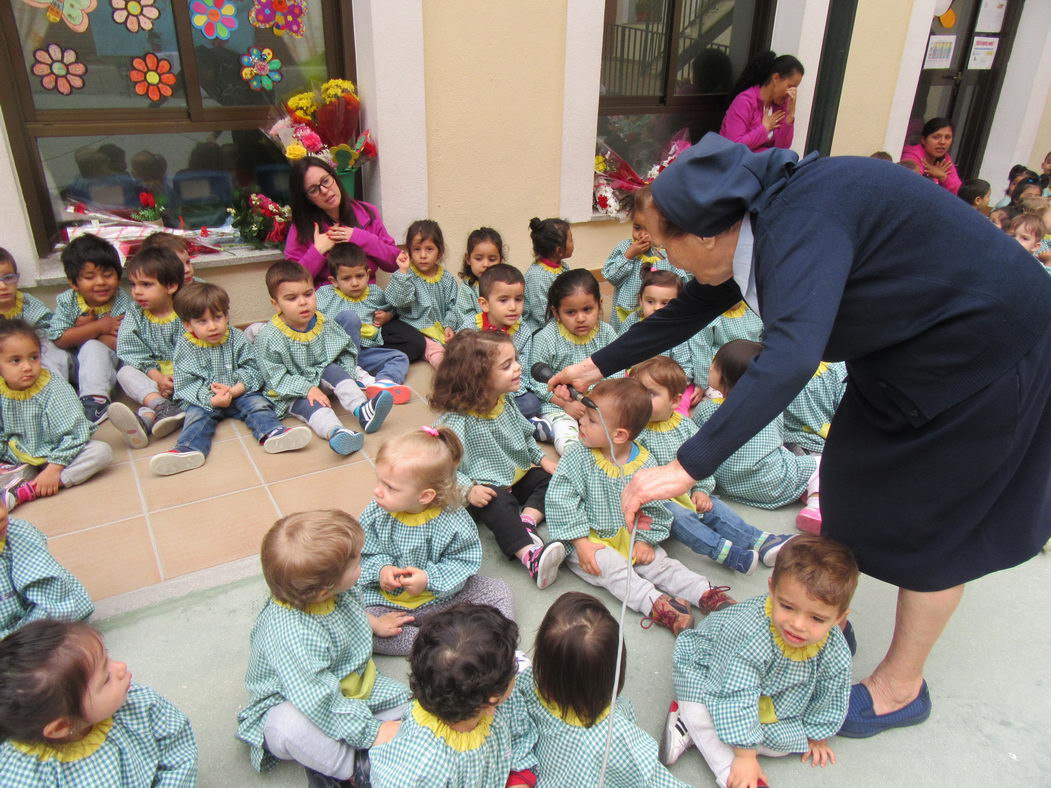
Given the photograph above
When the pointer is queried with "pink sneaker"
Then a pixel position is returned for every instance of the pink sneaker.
(809, 520)
(22, 491)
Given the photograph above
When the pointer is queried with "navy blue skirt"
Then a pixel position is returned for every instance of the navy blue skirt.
(964, 495)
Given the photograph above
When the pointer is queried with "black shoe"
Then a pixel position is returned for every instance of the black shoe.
(319, 780)
(169, 417)
(96, 409)
(362, 777)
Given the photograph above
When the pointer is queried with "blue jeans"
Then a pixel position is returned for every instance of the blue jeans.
(199, 426)
(704, 533)
(529, 404)
(382, 363)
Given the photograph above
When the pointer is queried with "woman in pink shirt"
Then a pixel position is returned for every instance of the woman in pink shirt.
(763, 113)
(931, 153)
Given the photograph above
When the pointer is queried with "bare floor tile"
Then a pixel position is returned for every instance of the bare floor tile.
(226, 470)
(111, 559)
(108, 496)
(348, 488)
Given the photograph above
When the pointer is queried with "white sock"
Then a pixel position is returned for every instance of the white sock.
(349, 395)
(323, 421)
(813, 501)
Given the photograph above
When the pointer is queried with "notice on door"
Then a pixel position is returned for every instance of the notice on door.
(983, 52)
(939, 52)
(990, 16)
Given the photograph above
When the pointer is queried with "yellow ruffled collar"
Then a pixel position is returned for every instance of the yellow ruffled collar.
(352, 299)
(613, 471)
(42, 380)
(739, 310)
(492, 413)
(567, 715)
(439, 272)
(160, 321)
(299, 336)
(70, 751)
(82, 305)
(569, 335)
(322, 608)
(16, 308)
(794, 653)
(461, 741)
(417, 518)
(822, 368)
(193, 339)
(670, 423)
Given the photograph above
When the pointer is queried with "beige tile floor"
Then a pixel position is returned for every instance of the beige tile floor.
(126, 529)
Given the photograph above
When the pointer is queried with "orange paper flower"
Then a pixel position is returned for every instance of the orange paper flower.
(152, 76)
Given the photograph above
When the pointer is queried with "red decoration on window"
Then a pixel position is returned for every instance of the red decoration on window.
(152, 76)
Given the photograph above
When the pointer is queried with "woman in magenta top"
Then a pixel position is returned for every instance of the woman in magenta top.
(763, 113)
(323, 214)
(931, 153)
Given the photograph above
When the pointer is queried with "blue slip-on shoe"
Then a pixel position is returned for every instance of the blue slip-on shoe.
(862, 721)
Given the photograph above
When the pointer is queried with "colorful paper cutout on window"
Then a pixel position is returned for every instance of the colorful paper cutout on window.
(284, 16)
(152, 76)
(260, 69)
(59, 69)
(214, 18)
(135, 15)
(73, 12)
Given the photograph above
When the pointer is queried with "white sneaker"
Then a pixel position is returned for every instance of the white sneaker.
(290, 439)
(364, 378)
(173, 461)
(676, 739)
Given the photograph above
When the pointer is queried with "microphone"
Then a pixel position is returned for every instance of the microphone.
(542, 373)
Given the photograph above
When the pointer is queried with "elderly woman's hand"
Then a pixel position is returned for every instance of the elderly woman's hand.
(580, 376)
(653, 484)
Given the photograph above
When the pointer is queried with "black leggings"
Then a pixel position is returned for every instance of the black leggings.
(502, 515)
(401, 336)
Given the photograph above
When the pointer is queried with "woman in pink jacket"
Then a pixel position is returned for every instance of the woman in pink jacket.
(931, 153)
(763, 113)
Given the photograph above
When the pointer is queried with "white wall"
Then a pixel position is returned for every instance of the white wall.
(799, 29)
(17, 235)
(910, 64)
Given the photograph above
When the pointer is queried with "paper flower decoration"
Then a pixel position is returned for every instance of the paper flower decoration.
(284, 16)
(73, 12)
(135, 15)
(59, 69)
(152, 76)
(295, 151)
(214, 18)
(260, 69)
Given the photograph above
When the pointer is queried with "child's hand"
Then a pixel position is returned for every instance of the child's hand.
(702, 502)
(479, 495)
(586, 550)
(108, 324)
(83, 320)
(222, 399)
(575, 409)
(697, 396)
(390, 624)
(637, 247)
(390, 579)
(773, 120)
(322, 241)
(449, 334)
(642, 521)
(549, 465)
(403, 261)
(413, 580)
(47, 481)
(165, 384)
(644, 553)
(381, 317)
(386, 732)
(819, 753)
(109, 340)
(745, 771)
(317, 397)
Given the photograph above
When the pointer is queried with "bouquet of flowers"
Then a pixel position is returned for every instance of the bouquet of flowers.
(260, 221)
(324, 123)
(150, 211)
(615, 178)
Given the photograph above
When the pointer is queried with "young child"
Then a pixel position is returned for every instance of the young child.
(975, 192)
(316, 695)
(351, 293)
(1017, 174)
(699, 520)
(216, 378)
(625, 268)
(485, 248)
(573, 335)
(763, 472)
(87, 318)
(298, 349)
(69, 715)
(42, 425)
(33, 585)
(771, 675)
(566, 694)
(552, 246)
(14, 304)
(505, 472)
(809, 415)
(458, 732)
(737, 322)
(1028, 229)
(176, 244)
(583, 508)
(422, 291)
(146, 347)
(422, 552)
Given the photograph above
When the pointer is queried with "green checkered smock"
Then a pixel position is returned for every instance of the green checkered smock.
(734, 656)
(538, 279)
(569, 754)
(199, 364)
(427, 753)
(147, 742)
(45, 423)
(291, 361)
(427, 303)
(559, 348)
(467, 307)
(301, 657)
(680, 354)
(584, 497)
(808, 417)
(33, 584)
(147, 342)
(763, 472)
(498, 446)
(625, 274)
(31, 309)
(663, 439)
(331, 301)
(737, 322)
(69, 305)
(442, 542)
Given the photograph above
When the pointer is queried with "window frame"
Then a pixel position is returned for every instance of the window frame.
(25, 123)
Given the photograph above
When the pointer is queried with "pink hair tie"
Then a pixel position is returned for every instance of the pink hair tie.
(430, 431)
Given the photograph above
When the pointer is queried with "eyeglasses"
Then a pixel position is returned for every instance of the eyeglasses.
(325, 183)
(9, 279)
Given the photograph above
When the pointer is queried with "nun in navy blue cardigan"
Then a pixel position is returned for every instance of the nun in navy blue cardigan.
(937, 468)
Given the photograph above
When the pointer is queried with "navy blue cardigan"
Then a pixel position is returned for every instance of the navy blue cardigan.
(860, 261)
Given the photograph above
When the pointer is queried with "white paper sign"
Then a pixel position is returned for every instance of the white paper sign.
(990, 16)
(939, 52)
(983, 52)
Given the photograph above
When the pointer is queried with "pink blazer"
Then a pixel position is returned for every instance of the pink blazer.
(743, 122)
(371, 236)
(915, 153)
